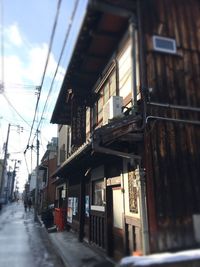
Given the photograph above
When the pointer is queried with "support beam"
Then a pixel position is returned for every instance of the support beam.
(132, 137)
(109, 151)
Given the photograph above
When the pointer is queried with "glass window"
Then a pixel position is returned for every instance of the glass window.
(98, 191)
(100, 108)
(95, 114)
(106, 92)
(87, 120)
(113, 84)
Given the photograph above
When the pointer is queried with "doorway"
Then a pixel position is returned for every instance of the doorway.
(117, 214)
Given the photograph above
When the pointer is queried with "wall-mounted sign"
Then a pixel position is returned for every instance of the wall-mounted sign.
(78, 123)
(132, 189)
(63, 194)
(87, 206)
(75, 206)
(69, 209)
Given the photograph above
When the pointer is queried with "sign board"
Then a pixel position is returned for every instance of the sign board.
(78, 123)
(63, 194)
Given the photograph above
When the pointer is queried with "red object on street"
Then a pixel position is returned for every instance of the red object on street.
(59, 219)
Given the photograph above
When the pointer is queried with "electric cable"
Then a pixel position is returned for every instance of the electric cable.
(26, 163)
(2, 48)
(10, 84)
(45, 68)
(60, 57)
(10, 104)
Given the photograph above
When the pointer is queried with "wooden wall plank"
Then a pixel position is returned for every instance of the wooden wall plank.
(173, 147)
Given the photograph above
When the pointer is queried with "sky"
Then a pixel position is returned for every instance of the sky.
(26, 28)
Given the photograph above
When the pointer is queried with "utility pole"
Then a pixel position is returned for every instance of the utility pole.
(13, 176)
(13, 179)
(37, 178)
(4, 164)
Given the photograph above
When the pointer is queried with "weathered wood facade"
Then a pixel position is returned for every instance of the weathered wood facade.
(172, 146)
(134, 179)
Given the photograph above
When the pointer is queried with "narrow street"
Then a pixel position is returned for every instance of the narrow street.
(22, 241)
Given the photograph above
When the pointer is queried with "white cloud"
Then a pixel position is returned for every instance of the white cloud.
(14, 35)
(37, 59)
(13, 69)
(24, 64)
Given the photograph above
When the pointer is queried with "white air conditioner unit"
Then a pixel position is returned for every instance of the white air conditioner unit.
(112, 108)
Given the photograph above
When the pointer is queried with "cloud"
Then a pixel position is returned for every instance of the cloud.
(13, 69)
(14, 35)
(37, 57)
(24, 64)
(30, 58)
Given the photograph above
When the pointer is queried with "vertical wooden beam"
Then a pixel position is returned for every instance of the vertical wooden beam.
(82, 209)
(125, 226)
(125, 236)
(91, 236)
(108, 223)
(151, 206)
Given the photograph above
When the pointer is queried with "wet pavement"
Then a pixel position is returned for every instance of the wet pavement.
(22, 241)
(25, 243)
(78, 254)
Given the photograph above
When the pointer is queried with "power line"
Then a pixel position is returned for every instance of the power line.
(2, 47)
(45, 68)
(61, 55)
(10, 104)
(19, 85)
(26, 163)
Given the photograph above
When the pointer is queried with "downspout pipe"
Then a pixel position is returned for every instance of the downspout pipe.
(140, 172)
(172, 120)
(142, 63)
(172, 106)
(132, 32)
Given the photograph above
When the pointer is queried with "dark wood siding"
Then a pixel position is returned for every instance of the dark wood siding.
(97, 222)
(173, 148)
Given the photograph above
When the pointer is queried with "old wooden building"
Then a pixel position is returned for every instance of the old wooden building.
(47, 166)
(131, 98)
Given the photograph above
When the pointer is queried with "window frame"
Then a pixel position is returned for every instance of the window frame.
(95, 201)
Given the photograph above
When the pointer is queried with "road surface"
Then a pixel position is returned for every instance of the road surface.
(24, 243)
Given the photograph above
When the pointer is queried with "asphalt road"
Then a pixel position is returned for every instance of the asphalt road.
(23, 243)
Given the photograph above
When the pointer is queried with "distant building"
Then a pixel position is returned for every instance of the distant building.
(47, 166)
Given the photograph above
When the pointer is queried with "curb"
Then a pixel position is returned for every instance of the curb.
(53, 246)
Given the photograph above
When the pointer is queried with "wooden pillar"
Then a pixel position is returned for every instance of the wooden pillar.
(82, 210)
(108, 222)
(90, 218)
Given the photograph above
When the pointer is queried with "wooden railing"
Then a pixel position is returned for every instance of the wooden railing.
(97, 229)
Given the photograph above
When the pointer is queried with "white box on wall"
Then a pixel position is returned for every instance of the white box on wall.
(112, 108)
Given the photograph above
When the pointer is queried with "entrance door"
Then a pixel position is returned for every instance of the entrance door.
(117, 223)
